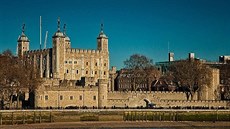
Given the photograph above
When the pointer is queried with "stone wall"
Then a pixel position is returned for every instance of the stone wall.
(86, 63)
(64, 97)
(193, 103)
(134, 99)
(161, 99)
(59, 94)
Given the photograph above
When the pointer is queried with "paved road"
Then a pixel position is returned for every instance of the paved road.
(122, 124)
(99, 110)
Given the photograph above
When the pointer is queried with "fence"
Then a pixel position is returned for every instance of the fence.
(41, 116)
(25, 117)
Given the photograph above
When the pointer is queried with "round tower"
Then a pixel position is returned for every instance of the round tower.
(23, 43)
(102, 41)
(102, 93)
(58, 53)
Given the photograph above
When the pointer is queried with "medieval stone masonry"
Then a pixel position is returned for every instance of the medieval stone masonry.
(77, 77)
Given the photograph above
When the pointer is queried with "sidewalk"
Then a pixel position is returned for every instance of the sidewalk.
(120, 124)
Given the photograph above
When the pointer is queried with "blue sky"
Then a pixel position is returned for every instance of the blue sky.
(133, 26)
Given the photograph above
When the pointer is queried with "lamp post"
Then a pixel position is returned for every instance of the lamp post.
(83, 98)
(58, 99)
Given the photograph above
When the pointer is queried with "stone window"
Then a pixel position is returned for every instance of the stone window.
(95, 72)
(71, 97)
(70, 62)
(94, 97)
(95, 64)
(61, 97)
(67, 71)
(46, 97)
(80, 97)
(86, 72)
(75, 62)
(104, 64)
(77, 71)
(104, 73)
(87, 63)
(66, 62)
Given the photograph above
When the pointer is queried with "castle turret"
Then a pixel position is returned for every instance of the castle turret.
(211, 92)
(23, 43)
(102, 46)
(102, 93)
(102, 41)
(58, 53)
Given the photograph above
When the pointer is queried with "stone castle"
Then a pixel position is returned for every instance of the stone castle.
(77, 77)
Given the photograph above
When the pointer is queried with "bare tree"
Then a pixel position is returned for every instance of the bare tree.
(17, 76)
(137, 61)
(142, 71)
(193, 75)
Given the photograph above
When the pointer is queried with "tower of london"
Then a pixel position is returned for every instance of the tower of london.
(61, 65)
(82, 78)
(66, 63)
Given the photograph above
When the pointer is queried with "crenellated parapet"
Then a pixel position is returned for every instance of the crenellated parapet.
(38, 51)
(82, 51)
(147, 92)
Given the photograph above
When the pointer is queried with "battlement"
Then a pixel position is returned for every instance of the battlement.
(75, 88)
(82, 51)
(193, 103)
(38, 51)
(146, 92)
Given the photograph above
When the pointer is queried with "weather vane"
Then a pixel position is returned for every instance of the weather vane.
(23, 27)
(58, 23)
(64, 28)
(102, 27)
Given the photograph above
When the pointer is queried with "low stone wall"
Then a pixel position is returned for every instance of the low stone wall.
(161, 99)
(134, 99)
(65, 98)
(193, 103)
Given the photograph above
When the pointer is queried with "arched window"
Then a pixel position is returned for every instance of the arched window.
(104, 64)
(77, 71)
(87, 63)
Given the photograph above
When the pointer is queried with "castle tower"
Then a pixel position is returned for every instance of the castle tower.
(102, 93)
(58, 53)
(211, 92)
(23, 43)
(102, 46)
(102, 41)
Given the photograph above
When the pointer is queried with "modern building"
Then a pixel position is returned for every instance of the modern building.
(224, 59)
